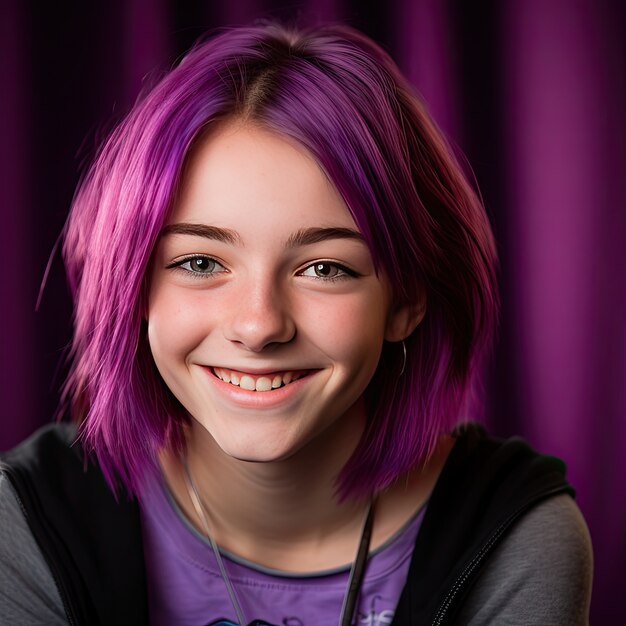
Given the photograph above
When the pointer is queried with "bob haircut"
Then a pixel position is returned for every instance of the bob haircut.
(341, 97)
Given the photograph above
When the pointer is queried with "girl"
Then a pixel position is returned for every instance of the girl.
(283, 287)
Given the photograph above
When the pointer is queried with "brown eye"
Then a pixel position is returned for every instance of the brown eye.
(325, 270)
(201, 264)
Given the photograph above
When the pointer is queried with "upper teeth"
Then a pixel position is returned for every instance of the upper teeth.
(256, 383)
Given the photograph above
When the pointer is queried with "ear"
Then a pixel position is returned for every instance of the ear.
(404, 319)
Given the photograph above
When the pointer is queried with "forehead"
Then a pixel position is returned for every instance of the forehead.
(246, 177)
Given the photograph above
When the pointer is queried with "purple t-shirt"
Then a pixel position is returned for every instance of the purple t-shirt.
(185, 587)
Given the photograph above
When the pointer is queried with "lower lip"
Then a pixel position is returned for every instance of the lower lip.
(259, 399)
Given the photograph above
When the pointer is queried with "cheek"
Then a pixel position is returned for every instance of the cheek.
(351, 330)
(174, 326)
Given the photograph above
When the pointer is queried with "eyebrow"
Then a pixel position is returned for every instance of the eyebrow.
(302, 237)
(202, 230)
(308, 236)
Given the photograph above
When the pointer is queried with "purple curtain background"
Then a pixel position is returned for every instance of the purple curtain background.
(534, 93)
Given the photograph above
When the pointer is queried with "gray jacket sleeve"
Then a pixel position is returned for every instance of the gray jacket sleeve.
(540, 574)
(28, 594)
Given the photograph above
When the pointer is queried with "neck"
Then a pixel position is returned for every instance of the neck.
(283, 514)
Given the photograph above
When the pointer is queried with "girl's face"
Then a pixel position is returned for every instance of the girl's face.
(266, 318)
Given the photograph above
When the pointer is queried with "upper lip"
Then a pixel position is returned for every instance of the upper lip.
(260, 372)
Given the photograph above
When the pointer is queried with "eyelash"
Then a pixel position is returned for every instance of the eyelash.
(344, 272)
(178, 265)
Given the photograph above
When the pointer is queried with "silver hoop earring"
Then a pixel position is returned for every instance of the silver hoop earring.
(403, 358)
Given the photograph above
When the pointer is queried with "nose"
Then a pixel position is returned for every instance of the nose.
(260, 316)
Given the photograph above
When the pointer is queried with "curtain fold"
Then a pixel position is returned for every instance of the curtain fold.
(566, 214)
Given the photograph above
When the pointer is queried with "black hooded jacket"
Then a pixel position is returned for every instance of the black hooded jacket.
(92, 542)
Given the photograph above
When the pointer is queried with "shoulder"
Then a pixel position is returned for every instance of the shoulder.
(540, 573)
(487, 489)
(488, 481)
(79, 527)
(28, 594)
(49, 475)
(42, 446)
(57, 482)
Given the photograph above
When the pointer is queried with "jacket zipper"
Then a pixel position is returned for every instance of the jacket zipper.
(67, 605)
(484, 552)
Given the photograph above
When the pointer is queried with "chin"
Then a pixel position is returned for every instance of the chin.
(259, 456)
(255, 452)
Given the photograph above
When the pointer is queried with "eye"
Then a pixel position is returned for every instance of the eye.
(326, 270)
(199, 265)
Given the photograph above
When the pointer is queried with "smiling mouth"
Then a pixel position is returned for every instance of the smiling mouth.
(266, 382)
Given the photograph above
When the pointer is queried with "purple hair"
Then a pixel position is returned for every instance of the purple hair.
(339, 95)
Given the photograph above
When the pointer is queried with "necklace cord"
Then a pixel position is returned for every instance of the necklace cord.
(202, 514)
(357, 571)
